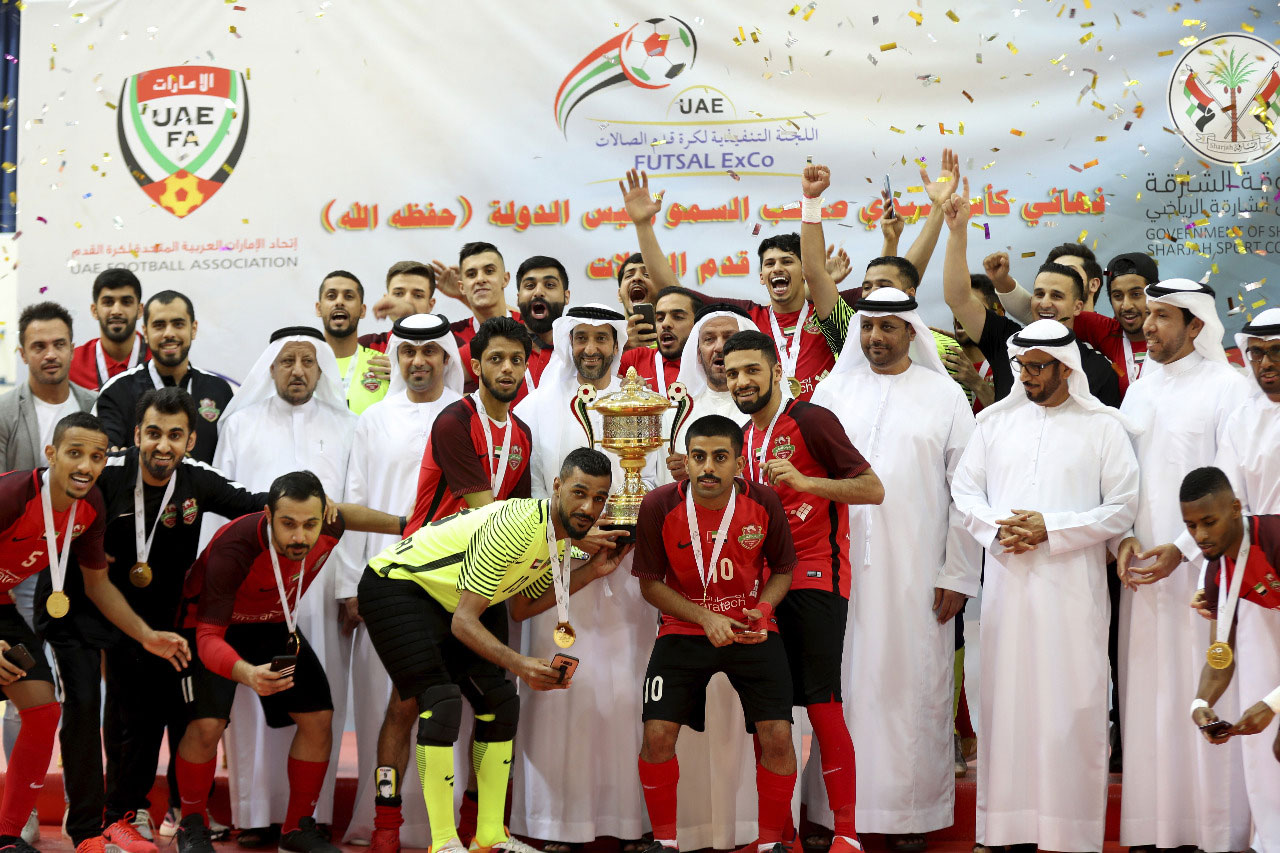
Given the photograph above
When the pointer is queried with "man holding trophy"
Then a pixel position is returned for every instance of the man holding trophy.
(428, 603)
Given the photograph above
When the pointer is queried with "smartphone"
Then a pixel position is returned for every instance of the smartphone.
(567, 664)
(621, 540)
(20, 657)
(645, 310)
(284, 664)
(889, 210)
(1217, 728)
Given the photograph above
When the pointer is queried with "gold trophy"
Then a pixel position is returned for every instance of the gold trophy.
(632, 430)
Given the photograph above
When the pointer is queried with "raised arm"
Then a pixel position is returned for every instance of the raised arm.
(813, 259)
(357, 517)
(642, 207)
(956, 290)
(1013, 296)
(938, 190)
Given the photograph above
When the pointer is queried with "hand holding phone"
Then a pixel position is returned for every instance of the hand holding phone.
(1217, 729)
(284, 664)
(20, 657)
(567, 664)
(889, 210)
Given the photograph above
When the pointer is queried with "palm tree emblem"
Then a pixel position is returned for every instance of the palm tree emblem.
(1232, 72)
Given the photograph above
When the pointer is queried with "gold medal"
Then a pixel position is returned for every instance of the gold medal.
(1219, 655)
(794, 385)
(57, 604)
(140, 575)
(564, 635)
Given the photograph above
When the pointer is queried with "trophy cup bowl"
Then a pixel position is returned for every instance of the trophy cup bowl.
(632, 419)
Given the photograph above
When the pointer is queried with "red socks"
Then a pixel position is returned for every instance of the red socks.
(387, 817)
(659, 783)
(28, 765)
(306, 778)
(774, 809)
(194, 783)
(836, 748)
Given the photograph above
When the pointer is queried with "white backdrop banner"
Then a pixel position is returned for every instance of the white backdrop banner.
(239, 151)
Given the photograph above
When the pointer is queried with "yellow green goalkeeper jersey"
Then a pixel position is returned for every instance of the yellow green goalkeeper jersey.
(496, 551)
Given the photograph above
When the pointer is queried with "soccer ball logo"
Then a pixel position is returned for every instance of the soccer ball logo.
(648, 54)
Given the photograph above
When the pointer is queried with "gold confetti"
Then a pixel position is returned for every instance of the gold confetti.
(1187, 42)
(890, 46)
(917, 17)
(1091, 164)
(1028, 254)
(896, 130)
(1015, 131)
(1190, 22)
(1165, 53)
(967, 95)
(1083, 234)
(1248, 28)
(1099, 139)
(1086, 37)
(915, 189)
(110, 105)
(1012, 48)
(953, 16)
(1099, 106)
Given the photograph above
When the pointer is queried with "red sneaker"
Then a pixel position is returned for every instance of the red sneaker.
(124, 836)
(97, 844)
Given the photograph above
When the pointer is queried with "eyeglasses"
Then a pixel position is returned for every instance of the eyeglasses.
(1035, 368)
(1256, 354)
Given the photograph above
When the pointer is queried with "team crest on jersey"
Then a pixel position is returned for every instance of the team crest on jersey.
(783, 448)
(517, 456)
(811, 325)
(77, 530)
(209, 410)
(1272, 582)
(371, 384)
(751, 537)
(170, 516)
(189, 510)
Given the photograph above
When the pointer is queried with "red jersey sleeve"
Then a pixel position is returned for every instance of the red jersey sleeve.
(1094, 329)
(523, 487)
(88, 545)
(228, 559)
(455, 453)
(651, 549)
(827, 441)
(779, 549)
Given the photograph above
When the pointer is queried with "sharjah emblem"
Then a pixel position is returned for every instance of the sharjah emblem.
(1224, 98)
(182, 130)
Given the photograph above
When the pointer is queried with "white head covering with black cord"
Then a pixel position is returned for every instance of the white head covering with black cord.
(259, 385)
(1265, 326)
(1199, 299)
(887, 302)
(418, 329)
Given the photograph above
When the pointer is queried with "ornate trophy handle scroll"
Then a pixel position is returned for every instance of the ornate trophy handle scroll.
(684, 407)
(579, 405)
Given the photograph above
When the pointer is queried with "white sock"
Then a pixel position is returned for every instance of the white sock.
(669, 843)
(857, 845)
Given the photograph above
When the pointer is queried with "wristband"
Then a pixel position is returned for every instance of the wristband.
(811, 210)
(766, 611)
(1273, 700)
(404, 522)
(1197, 704)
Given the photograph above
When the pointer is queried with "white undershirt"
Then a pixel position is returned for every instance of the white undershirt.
(48, 415)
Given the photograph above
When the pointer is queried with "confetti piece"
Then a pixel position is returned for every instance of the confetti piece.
(1099, 139)
(110, 105)
(1015, 131)
(43, 289)
(1248, 28)
(1086, 37)
(655, 143)
(952, 15)
(890, 46)
(914, 189)
(979, 58)
(1187, 42)
(1165, 53)
(1099, 106)
(42, 219)
(1074, 167)
(917, 17)
(1012, 48)
(986, 231)
(1028, 254)
(967, 95)
(896, 130)
(1260, 302)
(872, 59)
(755, 232)
(1091, 164)
(734, 175)
(1083, 234)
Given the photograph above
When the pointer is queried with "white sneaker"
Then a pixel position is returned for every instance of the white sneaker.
(453, 845)
(217, 831)
(31, 832)
(511, 845)
(169, 826)
(144, 824)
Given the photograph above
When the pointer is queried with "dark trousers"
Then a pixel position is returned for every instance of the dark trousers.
(1113, 646)
(80, 671)
(144, 696)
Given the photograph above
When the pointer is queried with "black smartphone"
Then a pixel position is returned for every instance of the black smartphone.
(645, 310)
(567, 664)
(20, 657)
(1217, 728)
(889, 211)
(284, 664)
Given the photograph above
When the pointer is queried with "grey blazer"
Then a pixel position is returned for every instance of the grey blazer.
(19, 430)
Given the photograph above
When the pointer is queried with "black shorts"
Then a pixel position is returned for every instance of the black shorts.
(209, 695)
(14, 630)
(675, 684)
(412, 634)
(812, 623)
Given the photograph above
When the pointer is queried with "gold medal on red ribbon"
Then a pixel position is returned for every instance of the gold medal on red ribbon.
(564, 635)
(140, 575)
(1219, 655)
(794, 384)
(57, 604)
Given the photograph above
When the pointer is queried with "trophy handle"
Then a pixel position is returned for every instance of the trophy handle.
(579, 405)
(679, 397)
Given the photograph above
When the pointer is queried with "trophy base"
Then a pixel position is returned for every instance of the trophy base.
(621, 540)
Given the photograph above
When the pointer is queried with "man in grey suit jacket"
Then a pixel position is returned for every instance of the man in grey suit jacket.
(28, 415)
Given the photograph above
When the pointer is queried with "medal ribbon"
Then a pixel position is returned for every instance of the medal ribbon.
(790, 355)
(756, 469)
(660, 372)
(559, 573)
(141, 540)
(1132, 369)
(290, 619)
(57, 562)
(351, 371)
(496, 476)
(726, 519)
(1227, 608)
(103, 376)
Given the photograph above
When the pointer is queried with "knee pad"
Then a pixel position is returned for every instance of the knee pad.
(439, 715)
(501, 713)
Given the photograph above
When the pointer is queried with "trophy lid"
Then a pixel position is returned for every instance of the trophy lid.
(633, 398)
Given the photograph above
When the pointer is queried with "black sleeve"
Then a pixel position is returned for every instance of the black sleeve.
(1103, 381)
(115, 409)
(994, 344)
(222, 496)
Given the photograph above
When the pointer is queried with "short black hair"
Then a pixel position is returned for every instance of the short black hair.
(167, 400)
(633, 258)
(296, 486)
(752, 341)
(1070, 272)
(341, 274)
(500, 327)
(538, 262)
(42, 311)
(115, 278)
(478, 247)
(165, 297)
(715, 426)
(984, 285)
(1202, 482)
(76, 420)
(902, 265)
(413, 268)
(589, 461)
(695, 299)
(783, 242)
(1081, 251)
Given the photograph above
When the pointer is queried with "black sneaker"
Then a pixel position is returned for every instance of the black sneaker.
(307, 838)
(656, 847)
(15, 844)
(194, 836)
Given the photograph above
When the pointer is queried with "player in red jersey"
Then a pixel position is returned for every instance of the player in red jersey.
(714, 554)
(479, 450)
(117, 301)
(674, 311)
(805, 454)
(241, 612)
